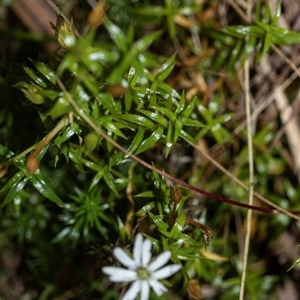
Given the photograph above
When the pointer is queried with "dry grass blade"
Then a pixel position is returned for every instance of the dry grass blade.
(251, 165)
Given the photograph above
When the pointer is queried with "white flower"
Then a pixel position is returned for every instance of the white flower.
(143, 274)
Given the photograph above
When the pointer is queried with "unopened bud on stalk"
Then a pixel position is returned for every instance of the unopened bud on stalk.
(64, 32)
(176, 194)
(96, 16)
(194, 289)
(32, 164)
(3, 170)
(91, 141)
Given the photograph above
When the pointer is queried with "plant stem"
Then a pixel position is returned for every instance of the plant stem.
(251, 165)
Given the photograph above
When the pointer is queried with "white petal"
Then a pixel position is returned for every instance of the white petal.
(160, 261)
(123, 258)
(158, 288)
(145, 290)
(166, 272)
(146, 254)
(137, 249)
(119, 274)
(132, 291)
(111, 270)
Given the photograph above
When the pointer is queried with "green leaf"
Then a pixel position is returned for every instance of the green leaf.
(158, 221)
(267, 14)
(142, 44)
(155, 117)
(67, 133)
(241, 31)
(45, 70)
(186, 136)
(145, 209)
(132, 77)
(267, 42)
(177, 131)
(108, 178)
(166, 112)
(169, 139)
(43, 186)
(297, 262)
(248, 50)
(277, 14)
(149, 194)
(151, 140)
(116, 34)
(230, 65)
(12, 181)
(110, 126)
(140, 120)
(170, 12)
(165, 70)
(104, 56)
(131, 56)
(167, 91)
(191, 122)
(108, 102)
(190, 108)
(152, 11)
(14, 191)
(96, 178)
(61, 107)
(181, 203)
(205, 113)
(136, 142)
(265, 27)
(282, 36)
(221, 58)
(128, 101)
(181, 104)
(37, 79)
(258, 11)
(178, 225)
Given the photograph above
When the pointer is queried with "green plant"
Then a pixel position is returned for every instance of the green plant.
(118, 130)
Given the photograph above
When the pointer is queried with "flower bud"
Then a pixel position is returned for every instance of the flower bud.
(33, 93)
(96, 16)
(64, 32)
(61, 107)
(91, 141)
(3, 170)
(32, 164)
(176, 194)
(194, 289)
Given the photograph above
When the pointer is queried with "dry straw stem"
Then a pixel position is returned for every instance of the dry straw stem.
(251, 164)
(292, 129)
